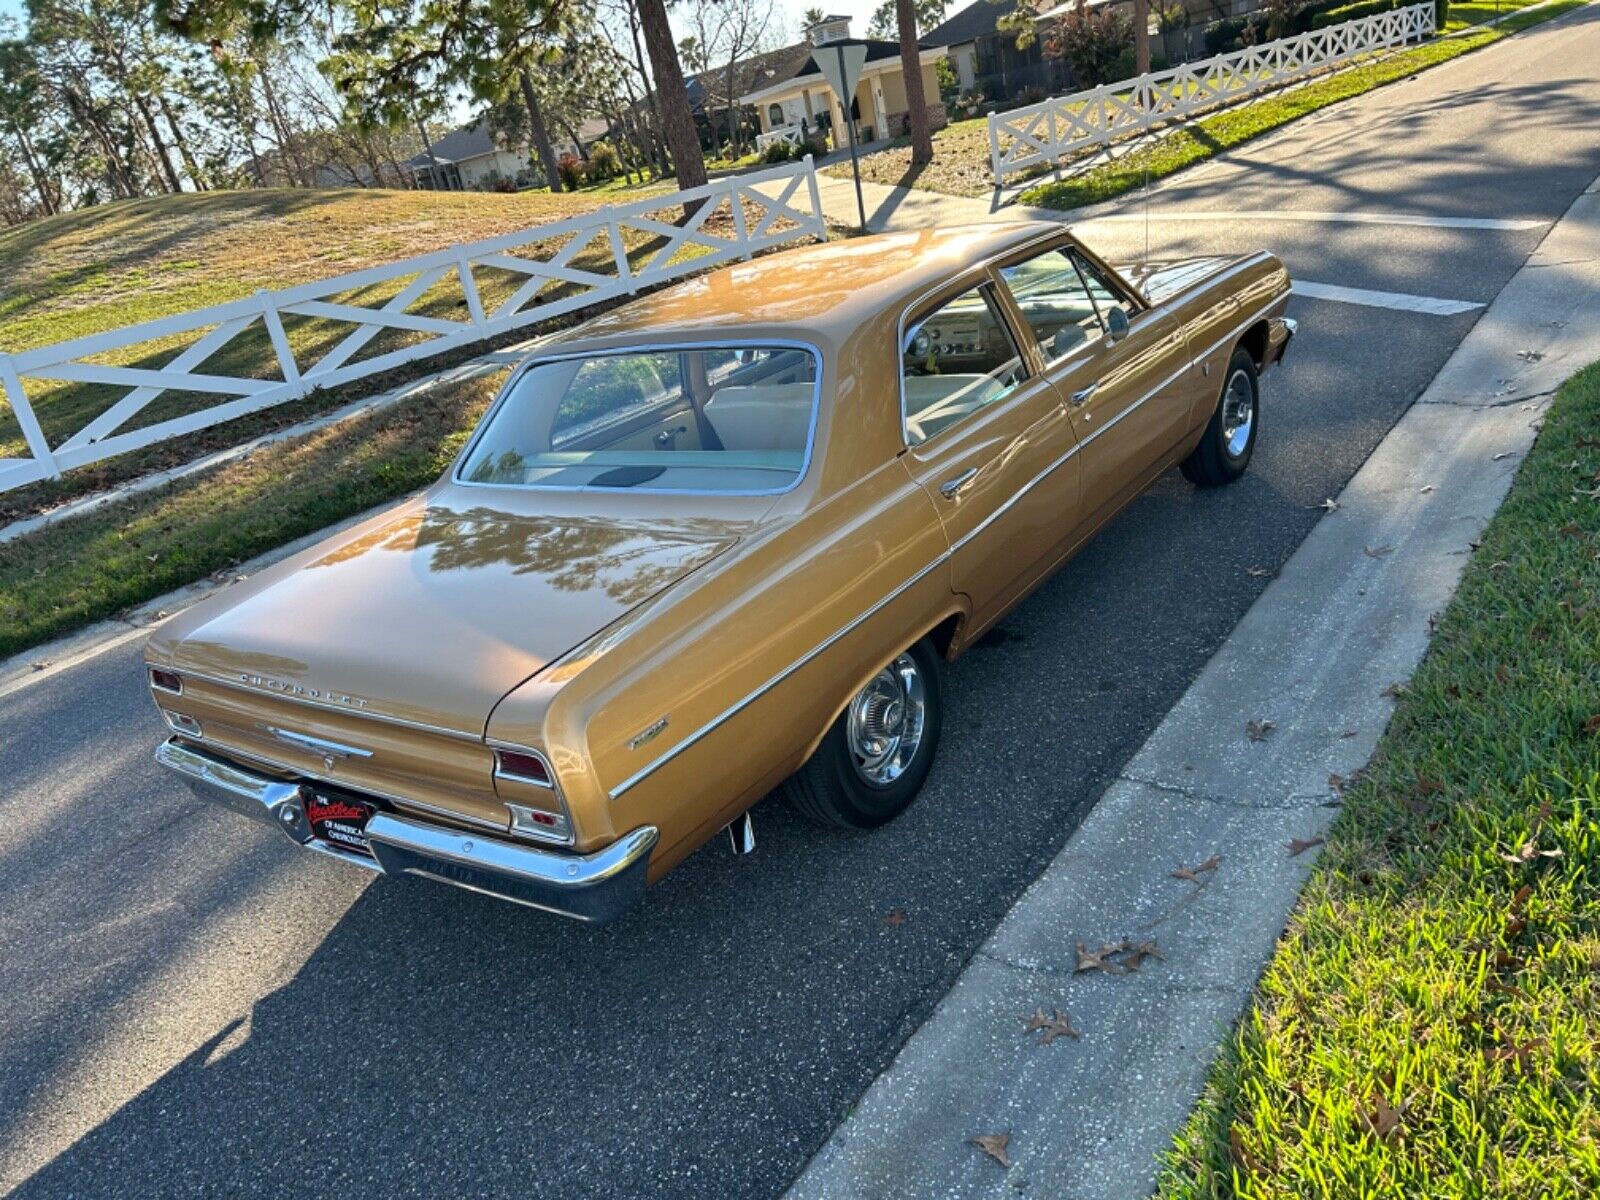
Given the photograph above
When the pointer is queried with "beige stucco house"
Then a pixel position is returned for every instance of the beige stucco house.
(799, 95)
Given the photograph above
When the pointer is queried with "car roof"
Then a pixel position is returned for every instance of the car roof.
(821, 291)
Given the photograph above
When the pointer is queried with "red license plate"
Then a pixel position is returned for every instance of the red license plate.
(340, 821)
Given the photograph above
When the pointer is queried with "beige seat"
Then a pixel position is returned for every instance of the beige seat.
(763, 416)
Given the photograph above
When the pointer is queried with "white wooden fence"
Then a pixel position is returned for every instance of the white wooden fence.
(792, 134)
(1024, 138)
(534, 260)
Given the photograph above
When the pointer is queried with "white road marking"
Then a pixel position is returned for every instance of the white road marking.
(1433, 305)
(1349, 218)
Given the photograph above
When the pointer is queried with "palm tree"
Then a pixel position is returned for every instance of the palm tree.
(911, 67)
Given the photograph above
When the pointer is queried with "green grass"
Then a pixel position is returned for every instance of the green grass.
(1210, 136)
(1444, 961)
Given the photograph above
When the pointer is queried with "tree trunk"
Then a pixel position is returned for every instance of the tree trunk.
(1141, 36)
(189, 163)
(41, 182)
(280, 127)
(162, 155)
(653, 127)
(677, 121)
(916, 100)
(541, 135)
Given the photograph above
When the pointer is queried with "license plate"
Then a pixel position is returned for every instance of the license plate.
(340, 821)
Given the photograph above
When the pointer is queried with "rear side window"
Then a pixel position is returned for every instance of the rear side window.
(956, 360)
(698, 419)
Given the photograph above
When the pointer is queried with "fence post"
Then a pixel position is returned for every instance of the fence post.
(619, 253)
(816, 200)
(469, 288)
(38, 444)
(741, 230)
(280, 343)
(994, 153)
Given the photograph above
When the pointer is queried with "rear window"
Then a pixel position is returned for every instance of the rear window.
(699, 419)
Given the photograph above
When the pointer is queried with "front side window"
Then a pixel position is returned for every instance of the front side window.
(1055, 299)
(956, 360)
(700, 419)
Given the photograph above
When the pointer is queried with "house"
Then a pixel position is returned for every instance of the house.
(467, 158)
(986, 59)
(794, 96)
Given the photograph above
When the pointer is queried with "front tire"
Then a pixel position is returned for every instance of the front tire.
(1230, 437)
(873, 760)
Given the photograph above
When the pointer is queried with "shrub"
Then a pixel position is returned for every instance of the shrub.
(1223, 36)
(781, 151)
(1352, 12)
(604, 162)
(1090, 40)
(570, 167)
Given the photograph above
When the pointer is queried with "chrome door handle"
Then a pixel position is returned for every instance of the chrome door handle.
(1083, 397)
(951, 488)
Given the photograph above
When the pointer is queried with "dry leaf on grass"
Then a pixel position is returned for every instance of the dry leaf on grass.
(1257, 730)
(1527, 852)
(1383, 1119)
(1519, 1052)
(994, 1145)
(1192, 874)
(1592, 725)
(1298, 846)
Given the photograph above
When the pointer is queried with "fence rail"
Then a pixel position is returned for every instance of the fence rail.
(583, 260)
(1042, 133)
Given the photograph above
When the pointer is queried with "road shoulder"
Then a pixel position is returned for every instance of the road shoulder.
(1349, 615)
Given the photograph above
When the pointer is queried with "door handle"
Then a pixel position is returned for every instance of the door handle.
(1083, 396)
(951, 488)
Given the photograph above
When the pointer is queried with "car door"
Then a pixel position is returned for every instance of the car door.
(1125, 391)
(989, 439)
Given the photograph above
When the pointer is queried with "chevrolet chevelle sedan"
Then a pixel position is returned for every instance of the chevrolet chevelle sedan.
(715, 542)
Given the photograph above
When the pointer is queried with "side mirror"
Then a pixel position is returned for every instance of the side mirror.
(1116, 324)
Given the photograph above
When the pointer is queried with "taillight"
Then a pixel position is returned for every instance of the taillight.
(526, 768)
(166, 681)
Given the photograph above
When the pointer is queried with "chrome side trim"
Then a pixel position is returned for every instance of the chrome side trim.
(534, 360)
(734, 709)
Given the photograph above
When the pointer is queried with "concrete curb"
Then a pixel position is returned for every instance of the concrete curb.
(1314, 655)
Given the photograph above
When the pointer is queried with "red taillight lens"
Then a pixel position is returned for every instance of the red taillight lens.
(166, 681)
(527, 767)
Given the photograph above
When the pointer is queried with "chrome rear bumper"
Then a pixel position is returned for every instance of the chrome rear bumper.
(590, 887)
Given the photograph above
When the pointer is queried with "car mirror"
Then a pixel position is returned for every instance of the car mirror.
(1116, 324)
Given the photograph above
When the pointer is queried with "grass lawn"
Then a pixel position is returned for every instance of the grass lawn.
(1430, 1024)
(960, 165)
(1212, 135)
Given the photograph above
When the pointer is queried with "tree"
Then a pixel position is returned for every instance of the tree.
(813, 16)
(1141, 36)
(1090, 40)
(916, 101)
(886, 19)
(672, 94)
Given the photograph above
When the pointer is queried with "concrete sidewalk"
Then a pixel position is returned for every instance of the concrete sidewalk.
(1088, 1115)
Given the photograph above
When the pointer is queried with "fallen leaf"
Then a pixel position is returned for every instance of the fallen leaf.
(1592, 725)
(1502, 454)
(1377, 551)
(1192, 874)
(1138, 952)
(1394, 691)
(1531, 356)
(1527, 852)
(1348, 733)
(1521, 1052)
(897, 916)
(1298, 846)
(1259, 572)
(1337, 782)
(1099, 960)
(1502, 674)
(1520, 897)
(1059, 1026)
(41, 665)
(1509, 989)
(1425, 489)
(1326, 506)
(1241, 1153)
(1036, 1021)
(1427, 785)
(1383, 1119)
(1257, 730)
(994, 1145)
(1571, 529)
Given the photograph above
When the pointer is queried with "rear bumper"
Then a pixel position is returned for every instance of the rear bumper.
(590, 887)
(1280, 332)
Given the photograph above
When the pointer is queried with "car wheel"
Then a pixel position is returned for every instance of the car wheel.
(873, 760)
(1230, 437)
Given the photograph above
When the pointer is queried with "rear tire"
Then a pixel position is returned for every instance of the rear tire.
(873, 760)
(1230, 437)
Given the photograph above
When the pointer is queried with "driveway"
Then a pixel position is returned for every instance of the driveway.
(192, 1007)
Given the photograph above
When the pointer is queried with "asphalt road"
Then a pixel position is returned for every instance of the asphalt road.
(191, 1007)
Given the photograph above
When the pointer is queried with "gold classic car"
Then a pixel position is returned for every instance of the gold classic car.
(716, 542)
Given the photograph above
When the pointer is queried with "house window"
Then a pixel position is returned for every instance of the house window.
(774, 116)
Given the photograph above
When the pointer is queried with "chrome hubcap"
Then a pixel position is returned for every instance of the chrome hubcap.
(1238, 414)
(885, 722)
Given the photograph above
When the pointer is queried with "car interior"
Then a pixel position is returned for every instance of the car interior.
(695, 419)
